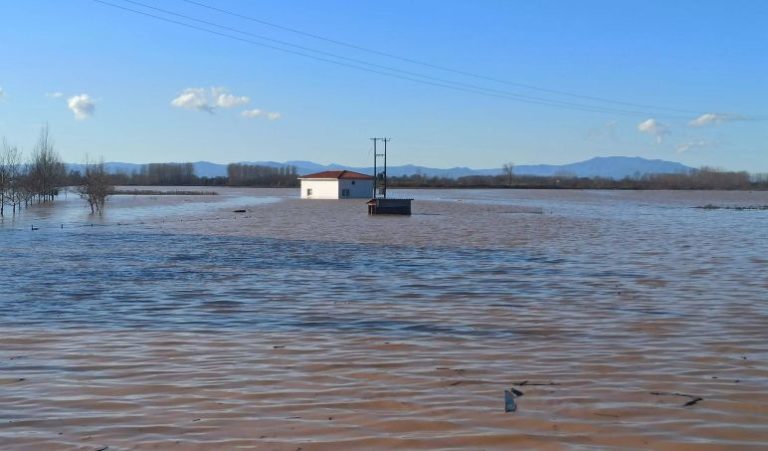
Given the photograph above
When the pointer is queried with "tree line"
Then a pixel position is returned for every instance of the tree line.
(240, 174)
(36, 179)
(41, 175)
(700, 179)
(183, 174)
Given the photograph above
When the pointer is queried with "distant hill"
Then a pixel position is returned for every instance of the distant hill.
(608, 167)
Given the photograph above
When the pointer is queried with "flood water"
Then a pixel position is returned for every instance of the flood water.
(175, 323)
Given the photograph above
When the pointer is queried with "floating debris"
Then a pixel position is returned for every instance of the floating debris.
(732, 207)
(735, 381)
(693, 399)
(524, 383)
(509, 399)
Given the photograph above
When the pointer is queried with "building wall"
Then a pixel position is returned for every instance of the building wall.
(321, 189)
(358, 189)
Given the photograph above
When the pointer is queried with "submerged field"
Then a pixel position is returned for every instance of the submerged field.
(174, 322)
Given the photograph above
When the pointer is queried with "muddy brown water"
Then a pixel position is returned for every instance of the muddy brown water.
(174, 323)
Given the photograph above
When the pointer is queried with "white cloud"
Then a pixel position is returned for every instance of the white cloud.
(252, 113)
(82, 106)
(193, 99)
(715, 119)
(653, 128)
(227, 100)
(270, 115)
(54, 95)
(202, 99)
(695, 144)
(2, 93)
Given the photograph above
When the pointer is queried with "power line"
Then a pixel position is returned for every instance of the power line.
(496, 92)
(434, 66)
(360, 64)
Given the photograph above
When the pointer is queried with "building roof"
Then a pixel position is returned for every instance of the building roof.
(345, 175)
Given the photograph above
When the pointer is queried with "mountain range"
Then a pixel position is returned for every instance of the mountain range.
(608, 167)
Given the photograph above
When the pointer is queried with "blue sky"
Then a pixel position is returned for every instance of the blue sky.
(692, 76)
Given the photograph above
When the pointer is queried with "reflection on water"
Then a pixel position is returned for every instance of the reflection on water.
(309, 324)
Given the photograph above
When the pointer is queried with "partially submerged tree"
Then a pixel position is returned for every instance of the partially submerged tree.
(4, 178)
(13, 178)
(46, 172)
(95, 187)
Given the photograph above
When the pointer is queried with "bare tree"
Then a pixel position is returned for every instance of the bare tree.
(509, 172)
(47, 173)
(95, 187)
(12, 175)
(5, 180)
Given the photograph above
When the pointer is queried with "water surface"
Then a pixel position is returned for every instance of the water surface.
(175, 322)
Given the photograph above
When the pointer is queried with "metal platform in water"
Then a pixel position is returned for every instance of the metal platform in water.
(380, 204)
(385, 206)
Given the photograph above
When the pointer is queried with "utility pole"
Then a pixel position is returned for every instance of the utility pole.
(386, 140)
(375, 173)
(376, 157)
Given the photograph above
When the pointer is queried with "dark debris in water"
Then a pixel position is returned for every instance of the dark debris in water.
(693, 399)
(509, 399)
(732, 207)
(529, 383)
(735, 381)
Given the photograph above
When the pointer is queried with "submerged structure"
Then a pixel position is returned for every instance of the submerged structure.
(336, 185)
(380, 204)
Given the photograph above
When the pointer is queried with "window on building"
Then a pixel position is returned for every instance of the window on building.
(345, 193)
(353, 182)
(309, 191)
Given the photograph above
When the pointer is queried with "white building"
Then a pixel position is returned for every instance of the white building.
(336, 185)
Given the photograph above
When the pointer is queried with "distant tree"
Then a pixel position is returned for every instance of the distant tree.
(241, 174)
(95, 186)
(166, 174)
(509, 172)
